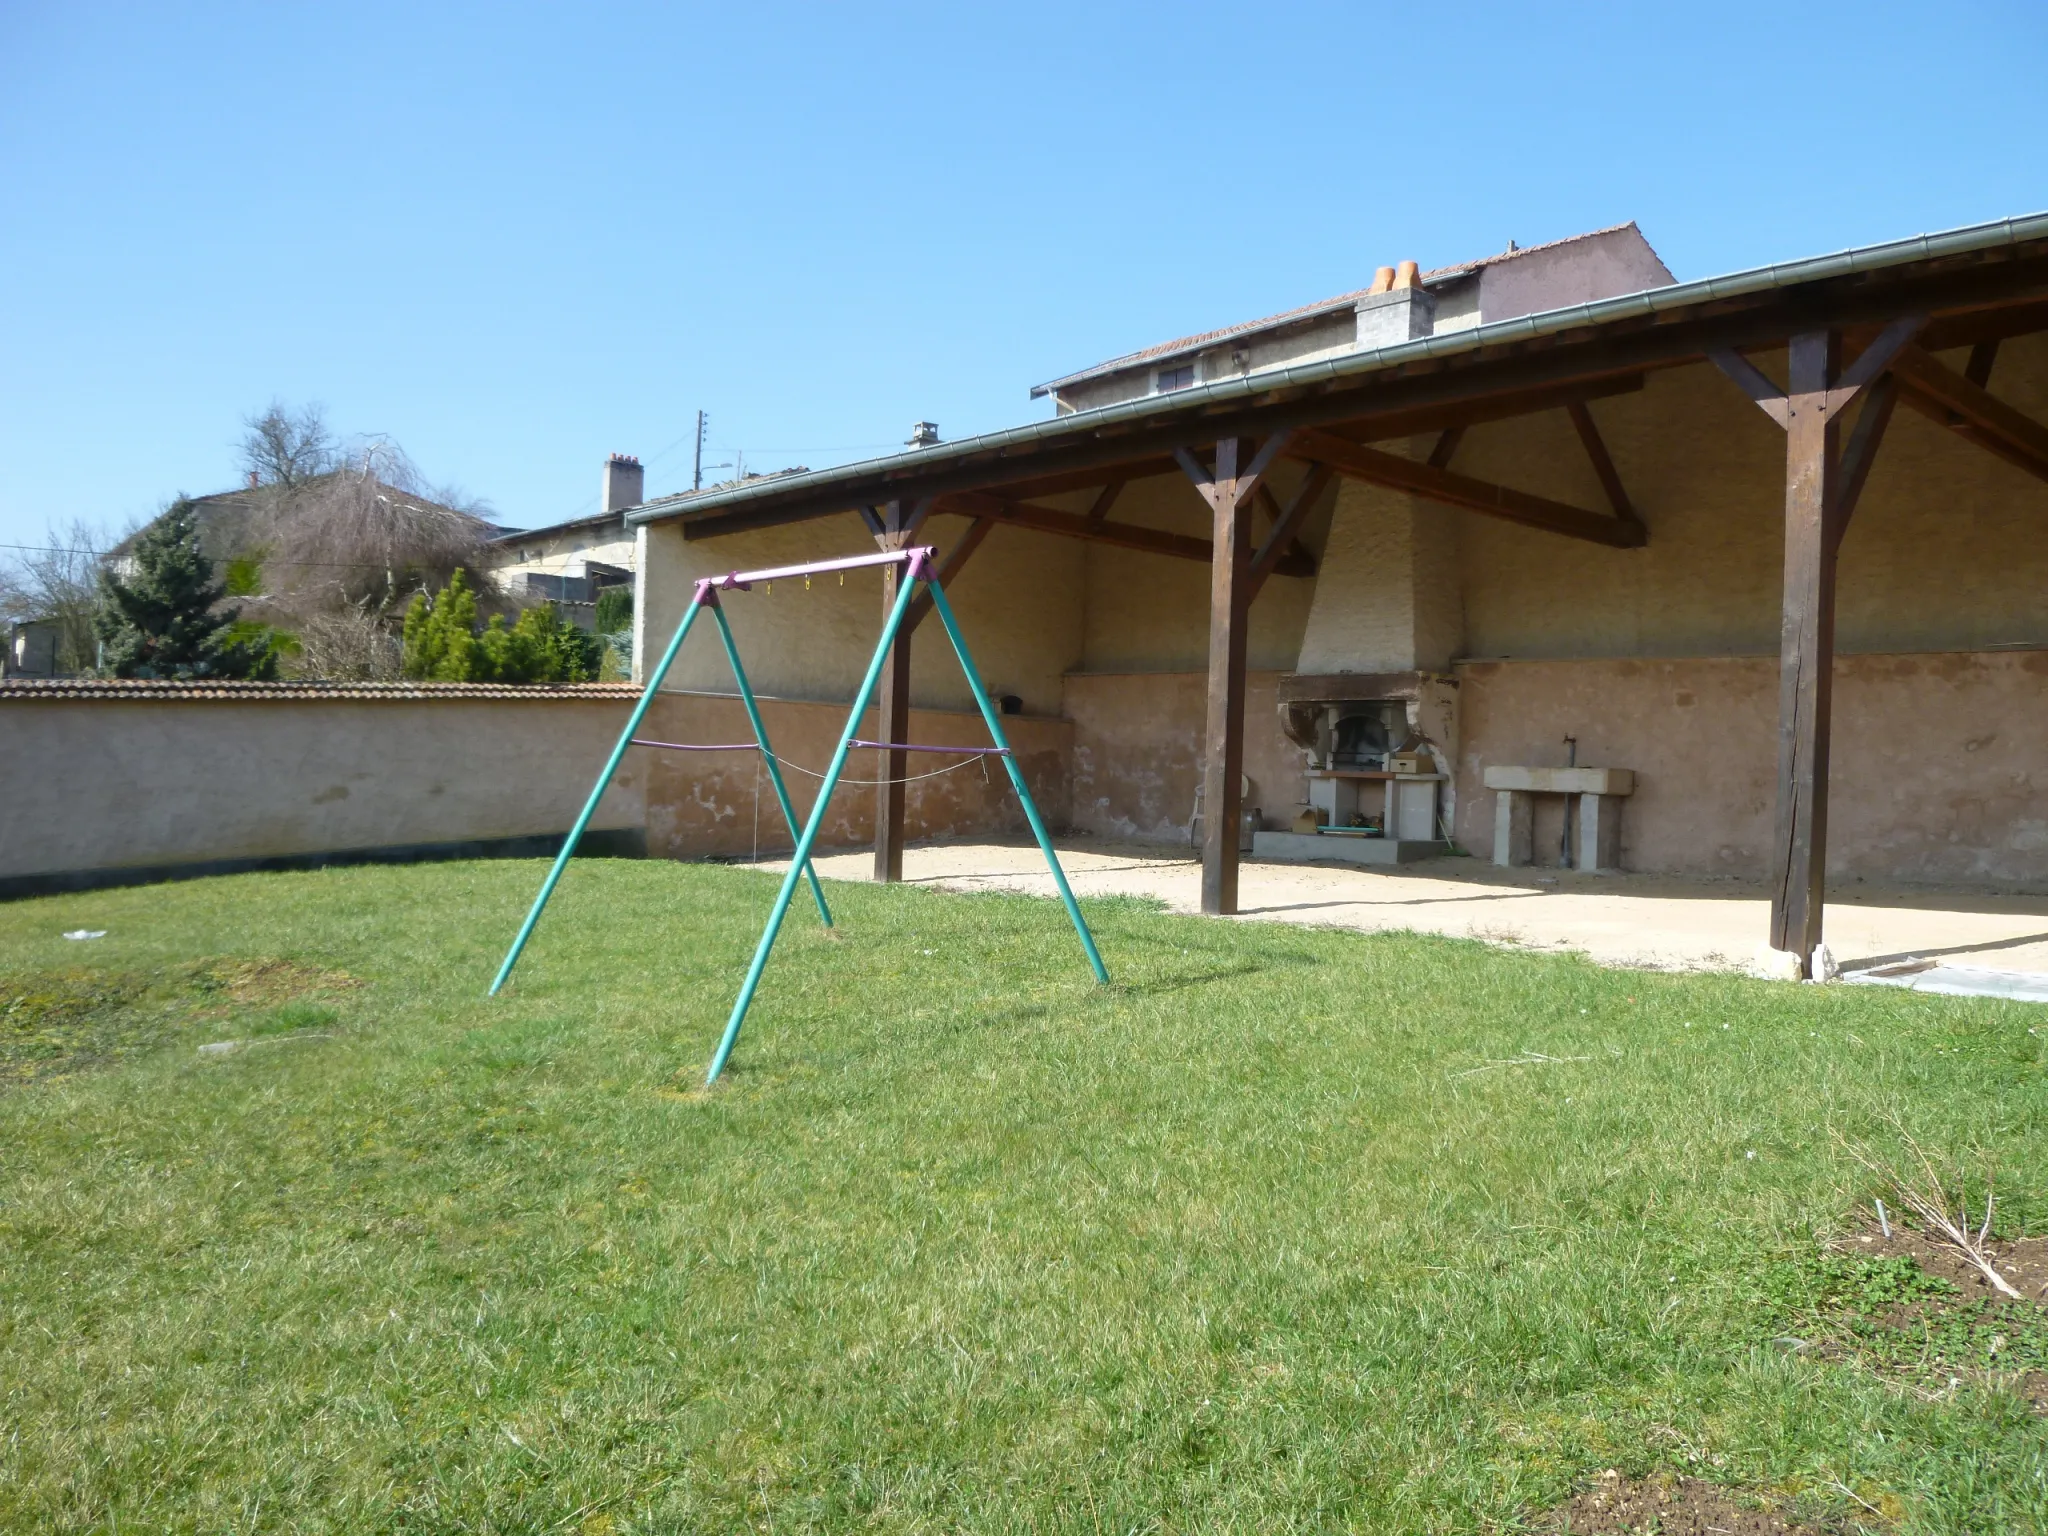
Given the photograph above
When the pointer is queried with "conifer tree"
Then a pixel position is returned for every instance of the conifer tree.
(162, 620)
(440, 636)
(442, 642)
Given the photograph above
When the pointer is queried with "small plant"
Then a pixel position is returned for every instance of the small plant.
(1921, 1189)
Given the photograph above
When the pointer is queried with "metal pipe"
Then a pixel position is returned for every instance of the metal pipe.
(697, 746)
(735, 579)
(906, 746)
(801, 858)
(739, 673)
(604, 779)
(944, 610)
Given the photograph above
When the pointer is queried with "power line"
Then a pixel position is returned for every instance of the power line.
(337, 565)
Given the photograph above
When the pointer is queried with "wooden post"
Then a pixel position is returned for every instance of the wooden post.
(893, 526)
(1806, 650)
(1229, 493)
(1223, 772)
(1821, 490)
(892, 723)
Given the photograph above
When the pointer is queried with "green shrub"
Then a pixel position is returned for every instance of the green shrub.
(443, 643)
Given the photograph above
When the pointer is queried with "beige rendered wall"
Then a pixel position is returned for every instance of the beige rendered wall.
(1937, 763)
(110, 784)
(1138, 739)
(1019, 602)
(718, 804)
(1150, 613)
(105, 785)
(1946, 551)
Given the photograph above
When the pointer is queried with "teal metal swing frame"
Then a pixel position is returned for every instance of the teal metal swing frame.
(918, 566)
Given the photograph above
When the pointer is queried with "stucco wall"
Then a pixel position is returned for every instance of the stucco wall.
(1936, 776)
(721, 804)
(1019, 602)
(124, 784)
(1137, 743)
(1149, 612)
(1946, 550)
(90, 785)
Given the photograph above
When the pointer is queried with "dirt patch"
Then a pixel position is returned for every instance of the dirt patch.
(2023, 1261)
(1666, 1506)
(1915, 1312)
(57, 1023)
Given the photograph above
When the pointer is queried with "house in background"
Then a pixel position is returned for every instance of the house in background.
(32, 650)
(569, 563)
(1402, 304)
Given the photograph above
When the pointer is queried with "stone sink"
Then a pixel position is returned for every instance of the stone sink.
(1563, 781)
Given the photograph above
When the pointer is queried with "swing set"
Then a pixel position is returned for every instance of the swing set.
(917, 563)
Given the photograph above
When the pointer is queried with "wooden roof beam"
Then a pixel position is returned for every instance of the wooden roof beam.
(1281, 544)
(1455, 490)
(1936, 390)
(1077, 525)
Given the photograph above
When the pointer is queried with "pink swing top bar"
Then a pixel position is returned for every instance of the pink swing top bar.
(915, 556)
(691, 746)
(908, 746)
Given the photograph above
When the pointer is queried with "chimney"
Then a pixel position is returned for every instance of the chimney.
(1395, 309)
(625, 483)
(923, 434)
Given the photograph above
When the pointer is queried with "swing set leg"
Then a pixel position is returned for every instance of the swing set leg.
(800, 860)
(704, 596)
(989, 714)
(739, 673)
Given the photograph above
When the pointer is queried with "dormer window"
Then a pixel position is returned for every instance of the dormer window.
(1169, 379)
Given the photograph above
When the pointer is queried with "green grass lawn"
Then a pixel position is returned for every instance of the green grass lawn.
(1253, 1239)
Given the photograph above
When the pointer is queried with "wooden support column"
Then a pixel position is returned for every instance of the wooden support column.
(1820, 496)
(893, 525)
(1806, 651)
(1228, 490)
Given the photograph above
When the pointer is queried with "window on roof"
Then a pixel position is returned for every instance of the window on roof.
(1175, 378)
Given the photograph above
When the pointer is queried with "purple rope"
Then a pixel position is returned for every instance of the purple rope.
(905, 746)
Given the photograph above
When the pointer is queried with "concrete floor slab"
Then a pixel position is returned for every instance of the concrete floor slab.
(1616, 919)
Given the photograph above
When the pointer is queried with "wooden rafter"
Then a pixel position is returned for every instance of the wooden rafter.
(1104, 500)
(1446, 447)
(1074, 525)
(1281, 542)
(1883, 350)
(1603, 462)
(1475, 413)
(1937, 390)
(1860, 454)
(1303, 563)
(962, 551)
(1442, 485)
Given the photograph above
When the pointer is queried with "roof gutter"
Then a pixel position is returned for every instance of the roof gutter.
(1202, 397)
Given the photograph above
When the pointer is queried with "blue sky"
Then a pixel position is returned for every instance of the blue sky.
(516, 238)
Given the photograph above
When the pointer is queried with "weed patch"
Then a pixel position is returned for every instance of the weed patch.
(59, 1022)
(1912, 1311)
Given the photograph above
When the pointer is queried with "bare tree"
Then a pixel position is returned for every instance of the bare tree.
(287, 449)
(353, 643)
(59, 582)
(365, 536)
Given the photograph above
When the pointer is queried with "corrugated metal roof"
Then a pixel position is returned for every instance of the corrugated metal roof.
(151, 690)
(1201, 398)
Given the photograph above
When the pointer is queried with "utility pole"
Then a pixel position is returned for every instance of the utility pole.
(697, 464)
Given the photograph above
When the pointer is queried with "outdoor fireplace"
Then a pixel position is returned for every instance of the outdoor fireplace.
(1379, 749)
